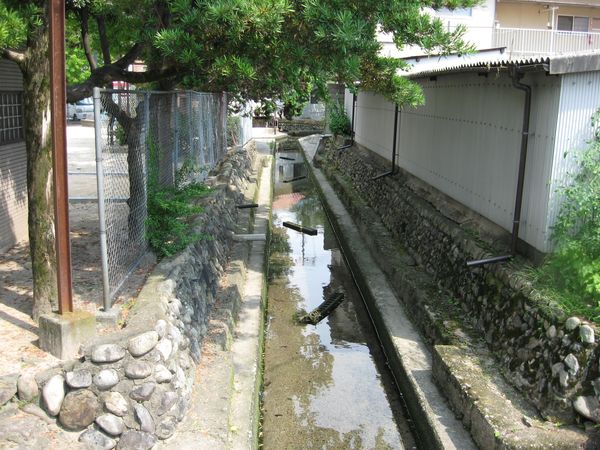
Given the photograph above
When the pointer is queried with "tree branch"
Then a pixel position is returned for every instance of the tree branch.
(85, 38)
(105, 75)
(13, 55)
(129, 57)
(104, 44)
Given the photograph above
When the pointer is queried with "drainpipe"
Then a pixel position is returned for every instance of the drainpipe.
(351, 126)
(516, 76)
(393, 169)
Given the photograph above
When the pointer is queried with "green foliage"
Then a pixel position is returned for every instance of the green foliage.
(572, 271)
(169, 227)
(170, 210)
(339, 123)
(233, 130)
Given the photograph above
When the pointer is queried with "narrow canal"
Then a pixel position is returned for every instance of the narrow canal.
(326, 386)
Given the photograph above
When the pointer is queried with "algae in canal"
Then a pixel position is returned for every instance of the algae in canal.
(322, 386)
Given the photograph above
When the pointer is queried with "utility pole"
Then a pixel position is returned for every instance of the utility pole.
(58, 91)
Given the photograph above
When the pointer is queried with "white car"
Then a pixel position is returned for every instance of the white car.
(83, 109)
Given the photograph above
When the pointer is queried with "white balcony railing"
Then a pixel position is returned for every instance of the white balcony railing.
(525, 41)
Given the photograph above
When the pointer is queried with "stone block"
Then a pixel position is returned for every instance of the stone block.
(108, 318)
(62, 335)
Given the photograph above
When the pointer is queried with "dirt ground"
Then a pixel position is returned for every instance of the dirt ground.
(19, 350)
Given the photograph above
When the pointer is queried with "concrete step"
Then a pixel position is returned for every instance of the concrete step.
(492, 410)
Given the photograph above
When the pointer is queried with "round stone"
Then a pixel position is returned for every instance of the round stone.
(586, 333)
(551, 332)
(53, 394)
(79, 409)
(161, 328)
(143, 392)
(572, 363)
(144, 419)
(105, 379)
(588, 407)
(162, 374)
(165, 347)
(115, 403)
(136, 440)
(166, 402)
(138, 370)
(166, 428)
(142, 344)
(572, 323)
(96, 439)
(107, 353)
(27, 387)
(78, 379)
(110, 423)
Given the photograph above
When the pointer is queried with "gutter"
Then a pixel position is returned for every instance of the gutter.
(393, 169)
(516, 75)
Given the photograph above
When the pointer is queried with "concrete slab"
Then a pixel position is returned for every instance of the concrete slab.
(408, 355)
(247, 345)
(63, 335)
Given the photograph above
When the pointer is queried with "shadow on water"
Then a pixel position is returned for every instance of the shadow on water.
(326, 385)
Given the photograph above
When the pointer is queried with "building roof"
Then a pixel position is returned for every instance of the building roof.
(496, 59)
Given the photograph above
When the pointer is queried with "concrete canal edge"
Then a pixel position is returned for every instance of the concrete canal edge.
(408, 356)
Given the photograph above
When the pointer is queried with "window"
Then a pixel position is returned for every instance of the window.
(11, 117)
(573, 23)
(596, 24)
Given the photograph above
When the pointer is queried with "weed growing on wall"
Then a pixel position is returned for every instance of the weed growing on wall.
(171, 210)
(573, 269)
(339, 123)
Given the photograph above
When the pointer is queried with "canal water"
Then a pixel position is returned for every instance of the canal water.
(326, 386)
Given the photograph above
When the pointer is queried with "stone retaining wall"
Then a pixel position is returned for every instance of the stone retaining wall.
(551, 359)
(301, 127)
(132, 387)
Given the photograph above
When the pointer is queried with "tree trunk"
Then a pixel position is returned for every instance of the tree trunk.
(40, 188)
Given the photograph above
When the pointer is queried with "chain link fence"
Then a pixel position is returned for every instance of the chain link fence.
(173, 137)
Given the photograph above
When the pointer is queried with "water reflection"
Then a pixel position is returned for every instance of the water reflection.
(322, 387)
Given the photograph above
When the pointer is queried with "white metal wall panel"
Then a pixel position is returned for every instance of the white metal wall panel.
(10, 76)
(465, 141)
(579, 99)
(374, 123)
(13, 194)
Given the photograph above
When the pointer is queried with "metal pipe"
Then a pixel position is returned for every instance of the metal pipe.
(516, 76)
(101, 200)
(302, 229)
(523, 156)
(58, 95)
(351, 125)
(492, 260)
(393, 169)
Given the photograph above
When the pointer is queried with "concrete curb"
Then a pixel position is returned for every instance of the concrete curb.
(408, 356)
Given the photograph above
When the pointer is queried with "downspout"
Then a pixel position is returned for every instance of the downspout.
(516, 76)
(393, 168)
(351, 125)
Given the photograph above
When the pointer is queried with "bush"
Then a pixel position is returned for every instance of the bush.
(170, 213)
(573, 269)
(233, 130)
(171, 209)
(339, 123)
